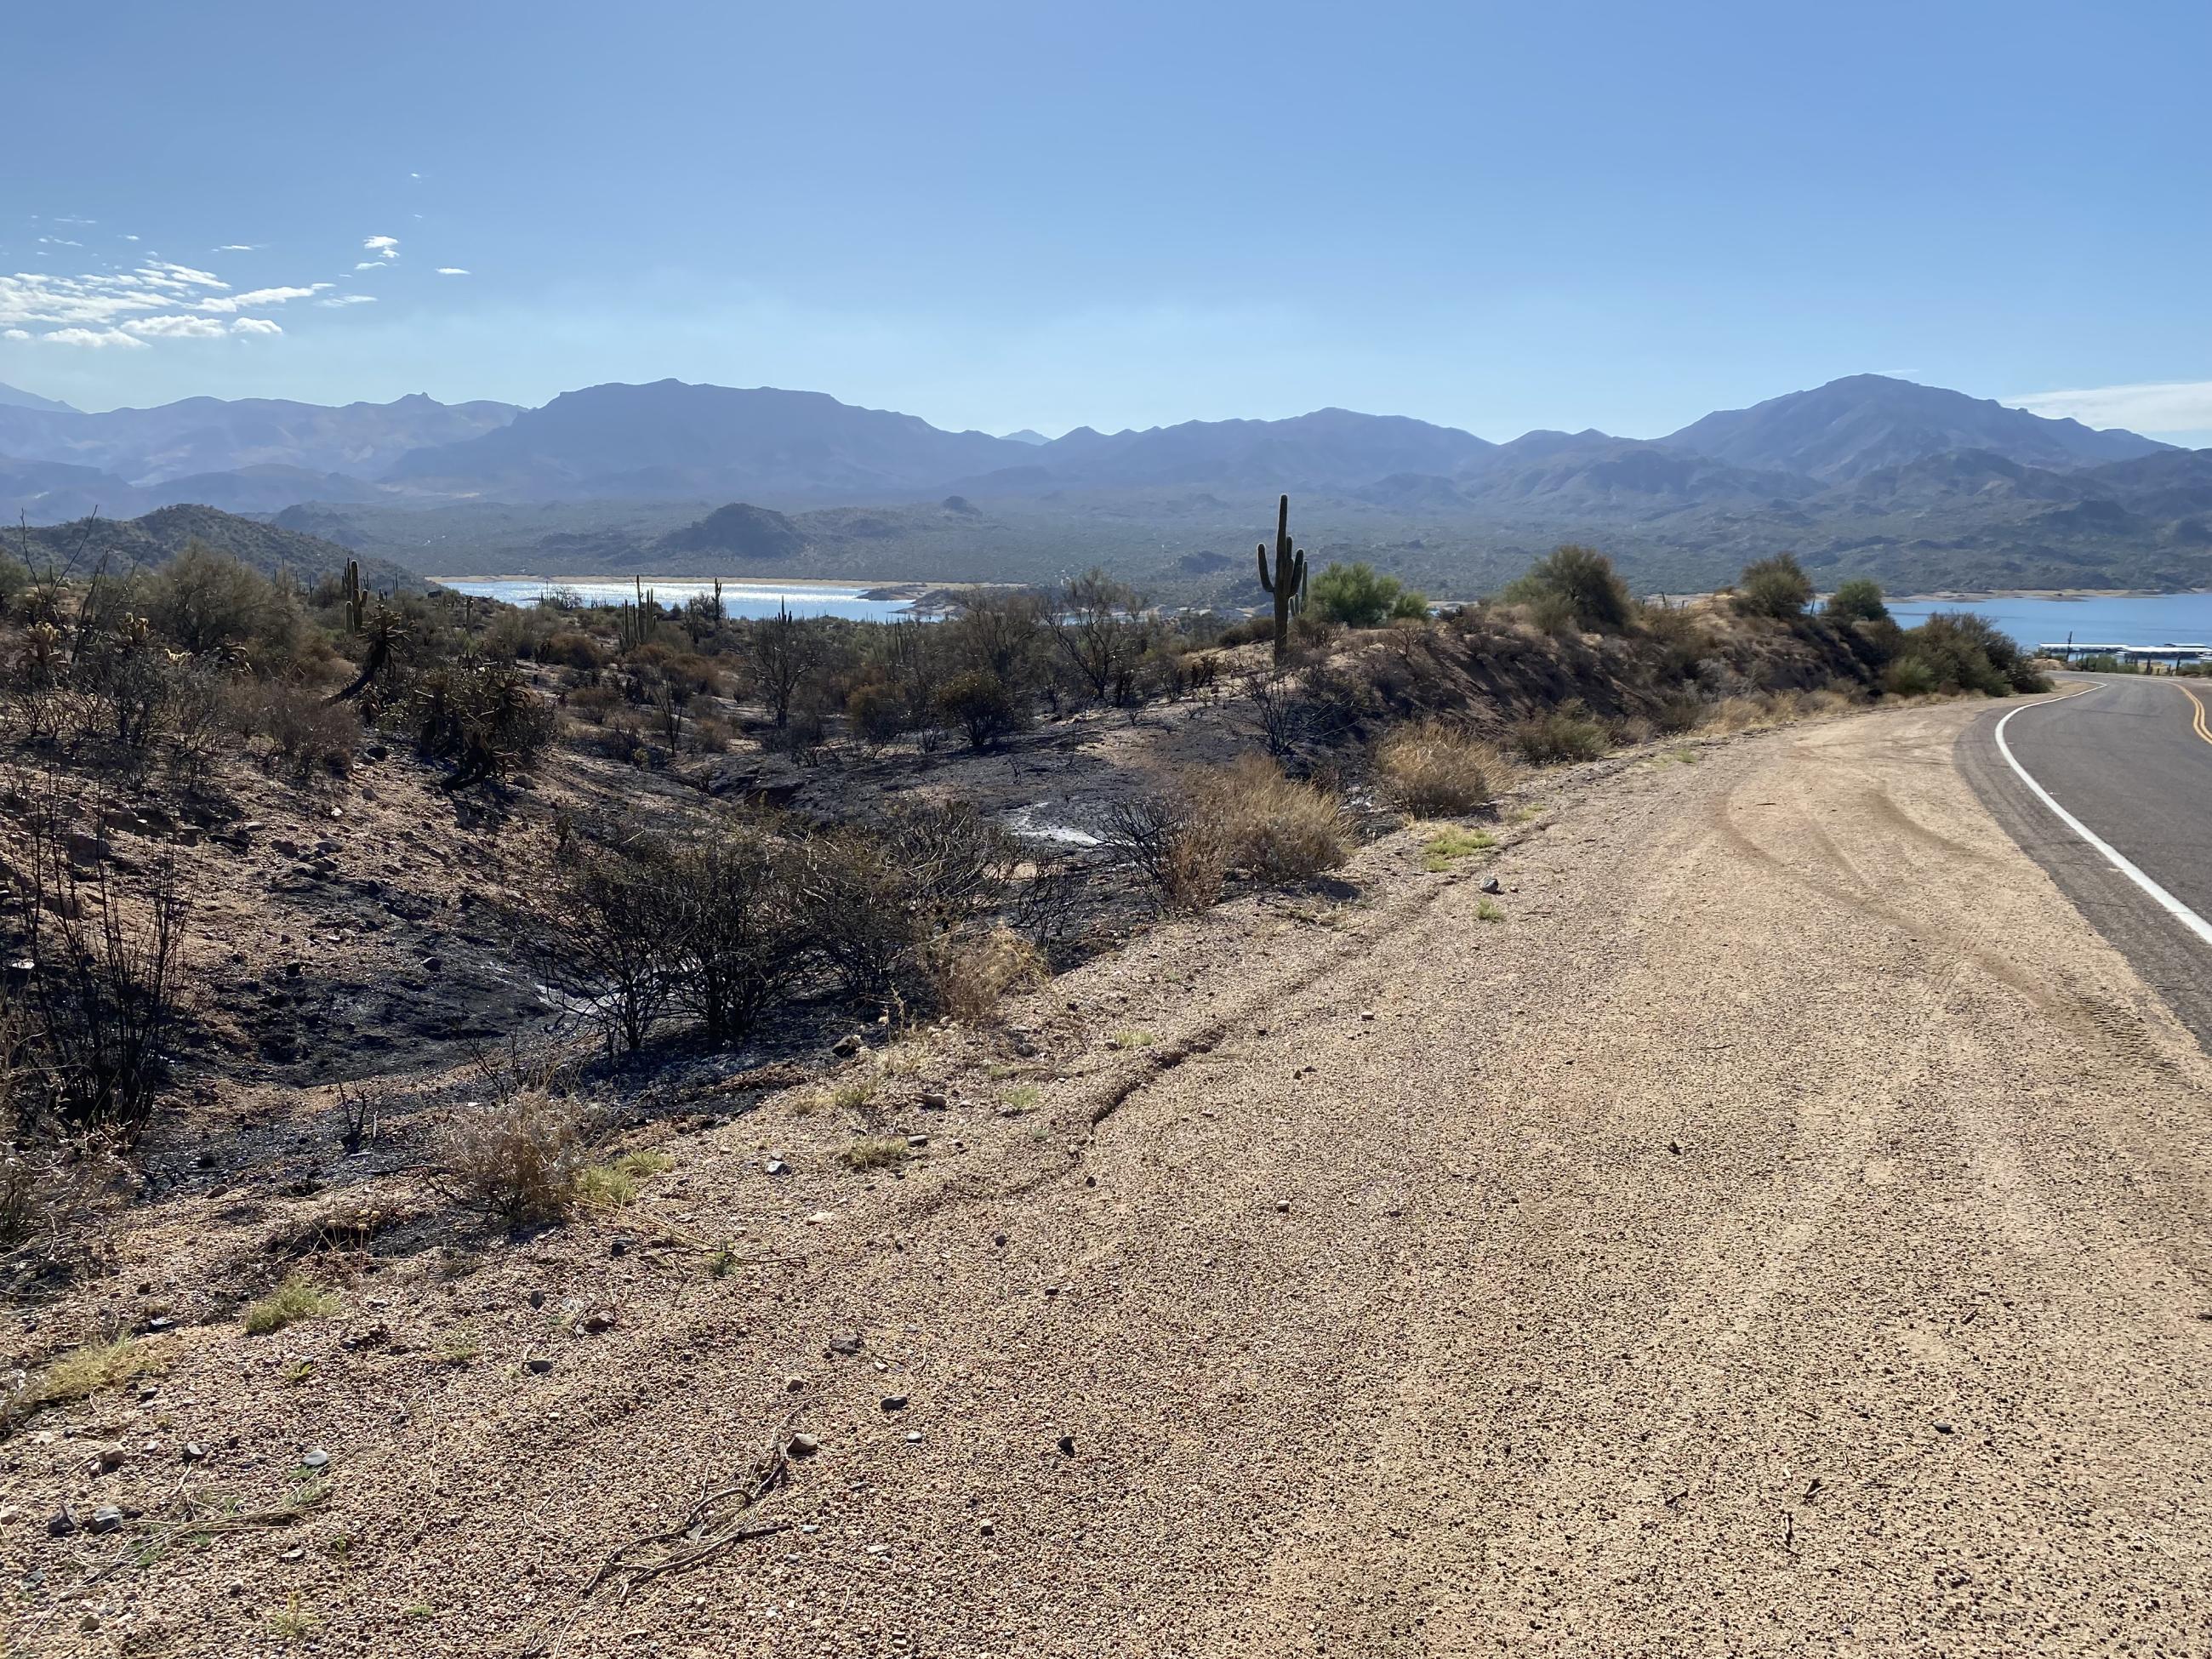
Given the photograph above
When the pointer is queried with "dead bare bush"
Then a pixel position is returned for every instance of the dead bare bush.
(104, 982)
(1179, 850)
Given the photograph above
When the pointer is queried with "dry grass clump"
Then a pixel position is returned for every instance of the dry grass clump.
(49, 1191)
(1678, 712)
(876, 1153)
(1276, 827)
(80, 1374)
(295, 1300)
(520, 1157)
(969, 976)
(1738, 713)
(1564, 734)
(1430, 767)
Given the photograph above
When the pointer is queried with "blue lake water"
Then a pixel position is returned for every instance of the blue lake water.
(2101, 619)
(739, 599)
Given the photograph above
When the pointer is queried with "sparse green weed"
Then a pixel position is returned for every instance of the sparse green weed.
(297, 1622)
(295, 1300)
(611, 1186)
(875, 1152)
(1448, 846)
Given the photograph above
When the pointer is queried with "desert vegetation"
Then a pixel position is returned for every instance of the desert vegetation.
(430, 923)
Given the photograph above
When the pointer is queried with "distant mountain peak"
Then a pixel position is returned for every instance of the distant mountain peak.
(1026, 435)
(1863, 423)
(16, 398)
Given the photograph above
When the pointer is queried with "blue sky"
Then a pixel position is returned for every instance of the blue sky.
(1499, 217)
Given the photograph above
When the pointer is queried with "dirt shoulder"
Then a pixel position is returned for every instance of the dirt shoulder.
(1775, 1221)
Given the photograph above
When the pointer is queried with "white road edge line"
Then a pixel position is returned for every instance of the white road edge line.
(2165, 901)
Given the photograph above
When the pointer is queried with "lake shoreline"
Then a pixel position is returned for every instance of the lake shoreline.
(1984, 596)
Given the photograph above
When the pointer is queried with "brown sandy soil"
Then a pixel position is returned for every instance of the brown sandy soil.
(1784, 1229)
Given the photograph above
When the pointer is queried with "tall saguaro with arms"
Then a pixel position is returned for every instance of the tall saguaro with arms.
(1287, 583)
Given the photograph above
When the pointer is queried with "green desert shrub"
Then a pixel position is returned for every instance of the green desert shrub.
(979, 703)
(1579, 581)
(1774, 587)
(1859, 599)
(1357, 596)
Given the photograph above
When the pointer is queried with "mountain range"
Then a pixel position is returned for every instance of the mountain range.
(1923, 485)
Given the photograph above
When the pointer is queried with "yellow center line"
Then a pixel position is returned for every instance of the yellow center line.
(2202, 728)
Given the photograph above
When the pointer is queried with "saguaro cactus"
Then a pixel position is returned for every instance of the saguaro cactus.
(355, 599)
(1288, 582)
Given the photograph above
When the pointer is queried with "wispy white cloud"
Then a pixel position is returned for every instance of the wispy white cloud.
(167, 273)
(450, 270)
(156, 300)
(129, 239)
(238, 247)
(261, 296)
(175, 327)
(2154, 406)
(60, 241)
(385, 247)
(339, 302)
(94, 338)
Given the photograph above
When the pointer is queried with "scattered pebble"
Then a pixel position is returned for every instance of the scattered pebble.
(894, 1402)
(538, 1367)
(317, 1459)
(1282, 1206)
(1067, 1445)
(802, 1445)
(107, 1518)
(914, 1437)
(846, 1342)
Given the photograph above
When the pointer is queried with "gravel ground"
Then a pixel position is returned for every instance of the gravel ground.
(1776, 1222)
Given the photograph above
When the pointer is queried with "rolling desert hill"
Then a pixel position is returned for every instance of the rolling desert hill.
(154, 538)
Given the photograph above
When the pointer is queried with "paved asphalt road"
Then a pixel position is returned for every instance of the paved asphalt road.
(2130, 757)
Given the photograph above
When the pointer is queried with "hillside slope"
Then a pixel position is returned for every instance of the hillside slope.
(157, 537)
